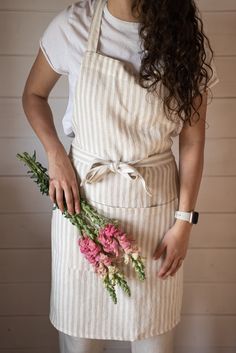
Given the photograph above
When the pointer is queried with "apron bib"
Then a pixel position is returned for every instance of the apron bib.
(117, 123)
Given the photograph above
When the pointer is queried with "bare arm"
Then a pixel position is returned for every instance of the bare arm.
(191, 161)
(38, 86)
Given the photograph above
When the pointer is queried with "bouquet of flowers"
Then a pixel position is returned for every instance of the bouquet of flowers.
(102, 241)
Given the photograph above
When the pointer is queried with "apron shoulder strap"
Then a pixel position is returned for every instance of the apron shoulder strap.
(95, 25)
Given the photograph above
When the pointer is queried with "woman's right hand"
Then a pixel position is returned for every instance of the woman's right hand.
(63, 181)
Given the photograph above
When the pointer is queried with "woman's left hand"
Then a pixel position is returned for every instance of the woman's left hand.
(175, 243)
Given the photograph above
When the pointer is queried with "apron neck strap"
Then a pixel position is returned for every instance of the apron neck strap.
(95, 26)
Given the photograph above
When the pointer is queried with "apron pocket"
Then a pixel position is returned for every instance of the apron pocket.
(146, 225)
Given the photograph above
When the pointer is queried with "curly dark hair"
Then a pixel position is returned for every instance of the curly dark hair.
(173, 53)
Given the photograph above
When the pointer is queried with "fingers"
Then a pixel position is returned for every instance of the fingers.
(75, 191)
(167, 264)
(59, 197)
(52, 192)
(160, 249)
(172, 269)
(179, 263)
(63, 192)
(69, 199)
(171, 262)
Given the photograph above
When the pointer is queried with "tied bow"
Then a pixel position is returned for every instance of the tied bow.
(99, 168)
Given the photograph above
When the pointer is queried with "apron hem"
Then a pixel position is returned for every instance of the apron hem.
(130, 339)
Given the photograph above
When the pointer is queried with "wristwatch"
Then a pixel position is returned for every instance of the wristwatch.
(191, 217)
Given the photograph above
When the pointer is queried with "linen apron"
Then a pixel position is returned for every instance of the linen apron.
(116, 122)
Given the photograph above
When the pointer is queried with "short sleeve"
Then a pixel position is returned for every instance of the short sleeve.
(213, 75)
(54, 42)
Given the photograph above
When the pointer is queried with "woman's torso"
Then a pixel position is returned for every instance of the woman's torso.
(115, 119)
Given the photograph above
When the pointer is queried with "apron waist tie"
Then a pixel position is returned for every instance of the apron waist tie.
(99, 167)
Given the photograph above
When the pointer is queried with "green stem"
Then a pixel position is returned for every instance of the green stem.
(110, 288)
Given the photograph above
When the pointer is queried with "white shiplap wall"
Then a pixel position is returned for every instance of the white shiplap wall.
(209, 309)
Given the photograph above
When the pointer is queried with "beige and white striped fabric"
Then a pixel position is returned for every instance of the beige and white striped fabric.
(116, 120)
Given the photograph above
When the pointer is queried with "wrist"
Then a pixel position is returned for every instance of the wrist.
(187, 216)
(180, 223)
(54, 149)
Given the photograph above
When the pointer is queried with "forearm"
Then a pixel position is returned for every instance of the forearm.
(39, 115)
(191, 163)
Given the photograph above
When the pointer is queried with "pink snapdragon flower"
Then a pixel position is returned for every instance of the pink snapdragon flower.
(107, 238)
(93, 253)
(90, 249)
(111, 238)
(101, 269)
(126, 243)
(106, 260)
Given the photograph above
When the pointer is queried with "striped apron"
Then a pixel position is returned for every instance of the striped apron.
(122, 155)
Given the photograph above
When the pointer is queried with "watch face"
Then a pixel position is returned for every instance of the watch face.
(195, 217)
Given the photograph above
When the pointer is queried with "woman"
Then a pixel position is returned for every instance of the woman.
(139, 74)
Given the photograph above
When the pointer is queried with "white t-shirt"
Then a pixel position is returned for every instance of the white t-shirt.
(64, 42)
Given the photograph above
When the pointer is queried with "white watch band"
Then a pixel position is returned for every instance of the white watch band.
(186, 216)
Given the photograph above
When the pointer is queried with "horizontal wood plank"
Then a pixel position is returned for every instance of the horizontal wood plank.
(210, 265)
(27, 302)
(16, 25)
(198, 298)
(32, 350)
(220, 27)
(215, 194)
(216, 5)
(25, 265)
(25, 230)
(214, 230)
(221, 122)
(27, 332)
(227, 86)
(13, 196)
(206, 331)
(219, 159)
(31, 5)
(204, 349)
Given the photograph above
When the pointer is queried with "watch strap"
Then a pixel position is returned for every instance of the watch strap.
(191, 217)
(183, 215)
